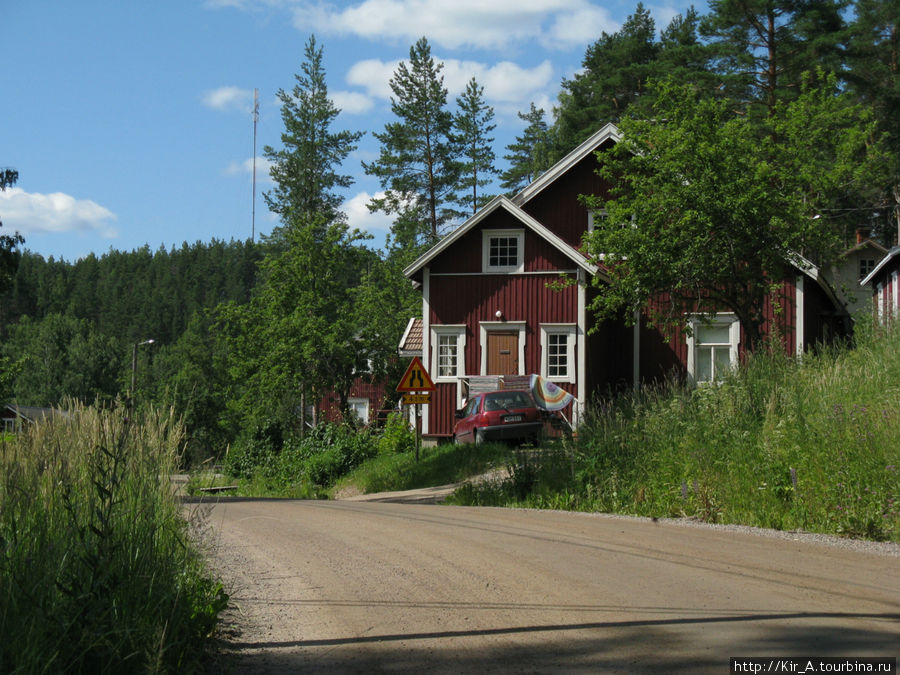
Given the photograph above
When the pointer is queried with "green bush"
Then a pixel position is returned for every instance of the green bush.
(255, 450)
(324, 454)
(397, 436)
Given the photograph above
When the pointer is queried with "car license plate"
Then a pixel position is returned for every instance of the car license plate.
(512, 418)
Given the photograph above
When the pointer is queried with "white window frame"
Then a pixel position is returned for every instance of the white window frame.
(486, 327)
(570, 330)
(487, 235)
(454, 330)
(592, 215)
(866, 265)
(725, 319)
(354, 402)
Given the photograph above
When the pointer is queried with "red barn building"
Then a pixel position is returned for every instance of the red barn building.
(489, 308)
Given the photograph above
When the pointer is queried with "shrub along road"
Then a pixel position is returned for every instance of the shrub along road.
(363, 587)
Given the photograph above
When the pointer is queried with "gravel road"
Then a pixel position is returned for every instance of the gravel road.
(399, 587)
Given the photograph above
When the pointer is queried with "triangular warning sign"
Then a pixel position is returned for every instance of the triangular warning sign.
(416, 378)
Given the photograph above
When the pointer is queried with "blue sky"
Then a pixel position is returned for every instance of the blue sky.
(130, 121)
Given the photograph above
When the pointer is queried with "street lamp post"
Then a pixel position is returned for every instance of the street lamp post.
(134, 363)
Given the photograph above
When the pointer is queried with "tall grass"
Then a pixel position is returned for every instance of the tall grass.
(97, 572)
(811, 445)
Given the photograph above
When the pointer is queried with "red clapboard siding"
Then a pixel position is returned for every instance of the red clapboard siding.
(558, 206)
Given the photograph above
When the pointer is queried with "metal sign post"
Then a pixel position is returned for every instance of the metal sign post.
(416, 386)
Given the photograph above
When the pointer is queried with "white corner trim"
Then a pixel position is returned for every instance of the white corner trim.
(426, 336)
(799, 307)
(581, 348)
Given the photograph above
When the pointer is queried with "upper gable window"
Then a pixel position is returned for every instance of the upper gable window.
(866, 265)
(595, 217)
(503, 250)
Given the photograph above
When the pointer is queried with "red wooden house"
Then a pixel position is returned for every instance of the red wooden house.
(885, 283)
(488, 309)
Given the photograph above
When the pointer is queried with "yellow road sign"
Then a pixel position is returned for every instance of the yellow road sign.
(416, 378)
(409, 399)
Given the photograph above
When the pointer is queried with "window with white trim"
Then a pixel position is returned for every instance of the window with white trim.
(360, 409)
(558, 352)
(503, 250)
(595, 217)
(448, 352)
(866, 265)
(713, 347)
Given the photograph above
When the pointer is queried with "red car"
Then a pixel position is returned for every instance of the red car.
(498, 416)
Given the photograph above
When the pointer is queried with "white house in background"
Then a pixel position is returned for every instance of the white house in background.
(854, 265)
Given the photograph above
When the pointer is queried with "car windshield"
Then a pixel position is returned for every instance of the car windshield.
(507, 400)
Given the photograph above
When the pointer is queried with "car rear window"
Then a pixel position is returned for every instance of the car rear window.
(508, 400)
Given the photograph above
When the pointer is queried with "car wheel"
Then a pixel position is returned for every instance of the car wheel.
(479, 437)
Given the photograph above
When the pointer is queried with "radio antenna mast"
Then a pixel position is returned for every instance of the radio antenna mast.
(253, 208)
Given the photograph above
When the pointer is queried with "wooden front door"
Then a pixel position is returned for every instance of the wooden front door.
(502, 353)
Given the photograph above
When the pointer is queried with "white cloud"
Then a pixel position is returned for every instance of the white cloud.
(352, 102)
(359, 216)
(32, 213)
(246, 167)
(579, 27)
(504, 82)
(373, 75)
(229, 99)
(463, 23)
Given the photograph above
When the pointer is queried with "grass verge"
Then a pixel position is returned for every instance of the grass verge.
(809, 445)
(438, 465)
(97, 569)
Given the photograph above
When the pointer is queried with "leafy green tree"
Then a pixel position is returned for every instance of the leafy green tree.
(708, 214)
(306, 170)
(529, 155)
(191, 376)
(762, 47)
(417, 166)
(298, 334)
(62, 356)
(473, 124)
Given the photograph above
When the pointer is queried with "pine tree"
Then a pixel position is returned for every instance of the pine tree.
(528, 156)
(472, 127)
(614, 75)
(9, 243)
(306, 169)
(417, 165)
(762, 47)
(873, 55)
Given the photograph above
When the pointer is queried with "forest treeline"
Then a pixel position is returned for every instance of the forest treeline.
(247, 335)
